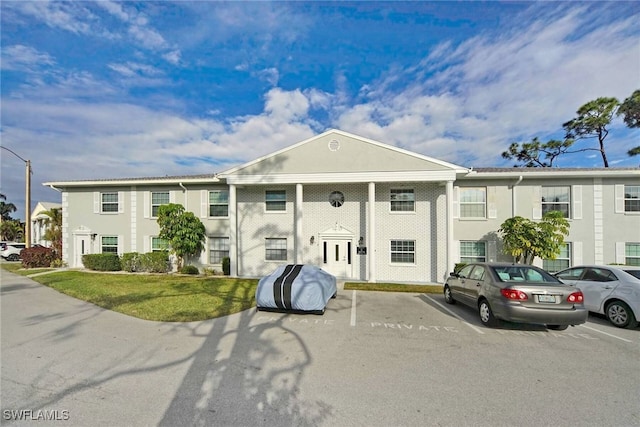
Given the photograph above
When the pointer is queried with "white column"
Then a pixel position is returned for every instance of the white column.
(371, 234)
(233, 231)
(299, 238)
(450, 246)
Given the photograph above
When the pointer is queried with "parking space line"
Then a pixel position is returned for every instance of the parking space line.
(606, 333)
(456, 316)
(353, 308)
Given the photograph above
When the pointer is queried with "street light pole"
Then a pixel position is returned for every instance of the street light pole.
(27, 198)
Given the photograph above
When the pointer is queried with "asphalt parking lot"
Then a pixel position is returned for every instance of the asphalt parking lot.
(373, 359)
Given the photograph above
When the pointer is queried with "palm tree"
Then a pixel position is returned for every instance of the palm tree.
(54, 229)
(11, 230)
(6, 209)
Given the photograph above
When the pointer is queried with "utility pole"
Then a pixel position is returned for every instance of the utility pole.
(27, 198)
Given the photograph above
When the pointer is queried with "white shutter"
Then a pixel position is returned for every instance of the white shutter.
(456, 205)
(96, 202)
(536, 202)
(120, 201)
(619, 194)
(204, 203)
(147, 244)
(492, 211)
(576, 255)
(576, 197)
(491, 251)
(120, 244)
(620, 252)
(172, 197)
(147, 204)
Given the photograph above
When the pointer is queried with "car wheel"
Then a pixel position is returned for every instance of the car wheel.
(486, 314)
(557, 327)
(13, 257)
(448, 298)
(620, 315)
(335, 295)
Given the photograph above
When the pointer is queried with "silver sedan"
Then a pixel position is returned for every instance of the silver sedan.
(516, 293)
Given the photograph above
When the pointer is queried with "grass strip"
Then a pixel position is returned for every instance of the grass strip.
(393, 287)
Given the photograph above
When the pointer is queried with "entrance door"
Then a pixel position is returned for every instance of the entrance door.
(82, 242)
(337, 257)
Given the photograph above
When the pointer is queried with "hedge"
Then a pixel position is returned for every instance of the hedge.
(102, 262)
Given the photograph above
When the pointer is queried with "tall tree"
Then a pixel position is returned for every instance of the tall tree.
(536, 153)
(525, 239)
(6, 209)
(630, 109)
(592, 121)
(184, 232)
(11, 229)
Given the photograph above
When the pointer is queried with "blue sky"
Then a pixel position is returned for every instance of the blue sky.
(130, 89)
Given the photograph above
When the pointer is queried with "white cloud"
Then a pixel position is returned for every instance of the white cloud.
(24, 58)
(491, 91)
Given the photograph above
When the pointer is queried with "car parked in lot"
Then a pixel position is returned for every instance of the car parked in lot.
(516, 293)
(297, 288)
(608, 289)
(11, 251)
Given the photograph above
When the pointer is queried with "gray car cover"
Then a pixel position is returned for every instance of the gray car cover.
(296, 287)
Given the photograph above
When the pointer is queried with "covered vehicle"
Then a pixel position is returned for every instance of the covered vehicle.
(296, 287)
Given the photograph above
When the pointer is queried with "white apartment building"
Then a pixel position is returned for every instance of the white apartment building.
(360, 209)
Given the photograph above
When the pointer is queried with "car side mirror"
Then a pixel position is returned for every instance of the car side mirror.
(454, 274)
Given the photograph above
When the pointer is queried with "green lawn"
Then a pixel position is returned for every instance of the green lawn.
(172, 297)
(161, 297)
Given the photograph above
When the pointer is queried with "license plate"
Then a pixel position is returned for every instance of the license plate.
(547, 298)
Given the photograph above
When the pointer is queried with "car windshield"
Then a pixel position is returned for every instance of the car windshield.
(523, 273)
(634, 273)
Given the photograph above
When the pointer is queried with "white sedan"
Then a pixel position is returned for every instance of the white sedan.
(612, 290)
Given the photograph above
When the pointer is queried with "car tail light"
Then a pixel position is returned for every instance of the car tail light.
(576, 297)
(514, 294)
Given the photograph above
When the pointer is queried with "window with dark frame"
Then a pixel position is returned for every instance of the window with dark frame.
(158, 198)
(473, 202)
(632, 198)
(219, 203)
(109, 244)
(402, 200)
(562, 261)
(218, 249)
(403, 251)
(158, 244)
(556, 199)
(275, 200)
(276, 249)
(473, 251)
(109, 202)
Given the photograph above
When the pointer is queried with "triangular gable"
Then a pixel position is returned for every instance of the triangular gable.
(338, 154)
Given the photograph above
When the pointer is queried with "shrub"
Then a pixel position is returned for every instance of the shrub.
(154, 262)
(57, 263)
(130, 262)
(37, 257)
(102, 262)
(226, 266)
(189, 269)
